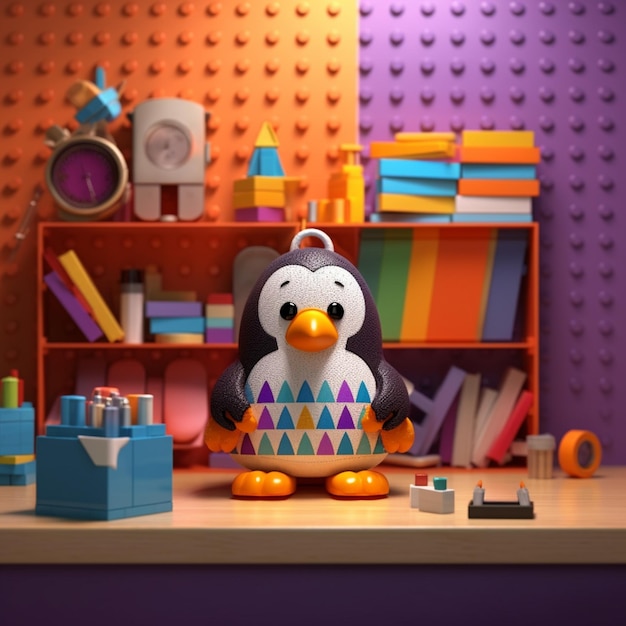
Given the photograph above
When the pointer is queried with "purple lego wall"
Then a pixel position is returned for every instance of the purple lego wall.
(554, 68)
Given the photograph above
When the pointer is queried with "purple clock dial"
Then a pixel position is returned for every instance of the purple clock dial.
(85, 175)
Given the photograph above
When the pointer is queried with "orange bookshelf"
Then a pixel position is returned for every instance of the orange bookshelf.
(199, 257)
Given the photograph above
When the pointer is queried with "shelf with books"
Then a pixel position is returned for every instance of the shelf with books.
(198, 259)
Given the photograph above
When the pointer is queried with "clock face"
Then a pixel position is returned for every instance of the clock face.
(168, 145)
(85, 175)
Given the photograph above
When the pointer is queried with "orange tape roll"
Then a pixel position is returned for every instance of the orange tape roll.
(580, 453)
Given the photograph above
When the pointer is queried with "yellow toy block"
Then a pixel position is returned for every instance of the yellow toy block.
(385, 149)
(267, 137)
(412, 137)
(498, 138)
(153, 288)
(16, 459)
(260, 183)
(245, 199)
(415, 204)
(101, 312)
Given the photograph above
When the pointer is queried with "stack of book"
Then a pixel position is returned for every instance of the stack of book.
(498, 176)
(172, 321)
(417, 180)
(467, 424)
(220, 318)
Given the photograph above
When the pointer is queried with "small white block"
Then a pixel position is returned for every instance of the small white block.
(436, 501)
(414, 496)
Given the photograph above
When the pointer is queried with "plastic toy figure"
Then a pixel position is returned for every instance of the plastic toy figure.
(311, 395)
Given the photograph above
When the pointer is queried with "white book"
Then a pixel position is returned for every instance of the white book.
(493, 204)
(463, 442)
(508, 393)
(485, 404)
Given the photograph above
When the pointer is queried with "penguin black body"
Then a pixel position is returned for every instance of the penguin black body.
(311, 394)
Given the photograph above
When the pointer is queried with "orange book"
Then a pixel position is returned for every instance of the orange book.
(475, 154)
(480, 187)
(459, 284)
(420, 282)
(384, 149)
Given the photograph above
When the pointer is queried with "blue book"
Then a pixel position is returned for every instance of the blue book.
(504, 287)
(435, 410)
(509, 218)
(424, 218)
(410, 168)
(160, 325)
(499, 172)
(417, 186)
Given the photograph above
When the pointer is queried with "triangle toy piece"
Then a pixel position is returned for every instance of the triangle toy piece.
(267, 137)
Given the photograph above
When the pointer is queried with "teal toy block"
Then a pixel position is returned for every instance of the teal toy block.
(265, 162)
(88, 476)
(18, 473)
(17, 430)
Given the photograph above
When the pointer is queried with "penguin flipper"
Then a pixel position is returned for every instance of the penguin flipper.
(391, 400)
(228, 398)
(219, 439)
(398, 439)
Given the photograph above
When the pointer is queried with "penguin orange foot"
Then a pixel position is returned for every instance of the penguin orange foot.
(258, 484)
(363, 484)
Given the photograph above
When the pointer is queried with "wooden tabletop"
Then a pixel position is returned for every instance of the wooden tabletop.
(576, 521)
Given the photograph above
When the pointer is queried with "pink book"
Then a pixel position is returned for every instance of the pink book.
(514, 422)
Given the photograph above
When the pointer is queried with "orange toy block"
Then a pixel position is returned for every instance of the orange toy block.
(260, 183)
(471, 154)
(498, 138)
(245, 199)
(477, 187)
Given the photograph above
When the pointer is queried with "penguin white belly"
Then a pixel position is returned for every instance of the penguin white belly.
(309, 408)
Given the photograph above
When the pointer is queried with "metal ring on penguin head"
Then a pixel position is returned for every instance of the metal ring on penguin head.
(312, 232)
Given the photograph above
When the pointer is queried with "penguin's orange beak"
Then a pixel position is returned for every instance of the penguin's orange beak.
(311, 330)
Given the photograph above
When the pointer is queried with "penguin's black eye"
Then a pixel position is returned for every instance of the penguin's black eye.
(288, 311)
(335, 311)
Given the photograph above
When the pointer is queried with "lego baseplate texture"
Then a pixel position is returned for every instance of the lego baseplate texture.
(552, 68)
(290, 63)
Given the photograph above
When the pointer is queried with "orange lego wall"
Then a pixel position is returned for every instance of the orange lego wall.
(291, 63)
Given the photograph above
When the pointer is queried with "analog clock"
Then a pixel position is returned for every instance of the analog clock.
(168, 145)
(87, 176)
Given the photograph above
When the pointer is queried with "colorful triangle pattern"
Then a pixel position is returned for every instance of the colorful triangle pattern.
(345, 445)
(305, 393)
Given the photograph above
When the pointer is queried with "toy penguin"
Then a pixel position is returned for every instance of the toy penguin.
(311, 395)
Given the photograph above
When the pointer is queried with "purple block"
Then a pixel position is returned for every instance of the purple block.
(161, 308)
(260, 214)
(83, 320)
(219, 335)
